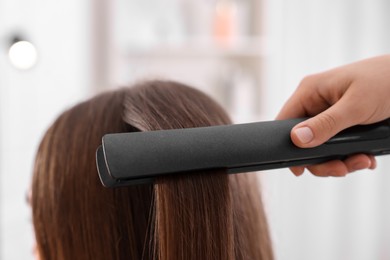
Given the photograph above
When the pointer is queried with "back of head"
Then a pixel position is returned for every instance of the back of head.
(208, 215)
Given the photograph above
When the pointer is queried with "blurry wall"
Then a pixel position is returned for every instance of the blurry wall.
(31, 99)
(216, 46)
(312, 217)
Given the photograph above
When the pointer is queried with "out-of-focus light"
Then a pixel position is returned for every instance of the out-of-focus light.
(23, 55)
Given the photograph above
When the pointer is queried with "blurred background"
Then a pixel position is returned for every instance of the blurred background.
(248, 54)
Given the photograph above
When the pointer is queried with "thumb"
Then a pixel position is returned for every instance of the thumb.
(319, 129)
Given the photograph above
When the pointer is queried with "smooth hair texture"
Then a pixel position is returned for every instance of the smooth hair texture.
(204, 215)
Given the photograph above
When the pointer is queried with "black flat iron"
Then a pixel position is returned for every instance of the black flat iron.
(139, 157)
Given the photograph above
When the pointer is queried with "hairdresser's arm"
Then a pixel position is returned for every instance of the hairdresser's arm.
(358, 93)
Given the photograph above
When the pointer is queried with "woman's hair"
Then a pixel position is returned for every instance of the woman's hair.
(203, 215)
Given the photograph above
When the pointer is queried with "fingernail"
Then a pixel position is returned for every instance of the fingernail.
(304, 134)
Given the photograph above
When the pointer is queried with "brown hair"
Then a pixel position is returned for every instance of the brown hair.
(208, 215)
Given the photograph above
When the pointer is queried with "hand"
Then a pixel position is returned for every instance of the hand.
(358, 93)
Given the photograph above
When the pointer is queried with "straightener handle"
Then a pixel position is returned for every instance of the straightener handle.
(380, 130)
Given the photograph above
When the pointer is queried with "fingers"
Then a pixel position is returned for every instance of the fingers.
(292, 109)
(359, 162)
(317, 130)
(373, 162)
(297, 170)
(311, 97)
(338, 168)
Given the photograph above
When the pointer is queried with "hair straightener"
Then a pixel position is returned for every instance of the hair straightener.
(139, 157)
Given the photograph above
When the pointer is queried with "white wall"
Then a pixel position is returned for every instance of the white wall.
(30, 100)
(312, 217)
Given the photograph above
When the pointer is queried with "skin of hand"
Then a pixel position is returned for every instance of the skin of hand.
(357, 93)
